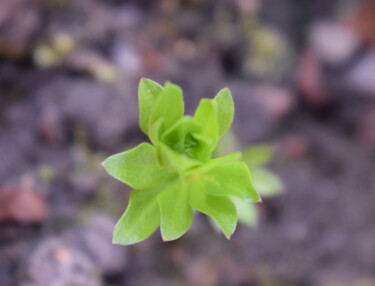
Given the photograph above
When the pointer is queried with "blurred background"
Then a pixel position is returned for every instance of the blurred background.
(302, 74)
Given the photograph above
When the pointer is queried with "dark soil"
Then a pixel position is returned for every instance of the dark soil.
(68, 81)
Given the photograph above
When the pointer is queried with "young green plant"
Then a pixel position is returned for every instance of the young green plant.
(176, 175)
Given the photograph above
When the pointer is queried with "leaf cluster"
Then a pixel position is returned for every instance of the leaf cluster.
(176, 174)
(266, 182)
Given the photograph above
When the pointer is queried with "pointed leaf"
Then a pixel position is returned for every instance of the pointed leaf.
(176, 213)
(169, 106)
(230, 179)
(138, 167)
(141, 218)
(207, 117)
(148, 93)
(221, 209)
(225, 110)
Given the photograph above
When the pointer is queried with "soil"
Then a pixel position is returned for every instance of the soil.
(69, 72)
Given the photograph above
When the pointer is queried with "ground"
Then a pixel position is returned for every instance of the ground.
(300, 73)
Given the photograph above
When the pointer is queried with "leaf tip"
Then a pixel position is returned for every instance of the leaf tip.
(225, 90)
(116, 242)
(143, 79)
(123, 243)
(104, 164)
(164, 239)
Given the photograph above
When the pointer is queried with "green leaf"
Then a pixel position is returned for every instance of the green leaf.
(175, 137)
(227, 144)
(227, 158)
(213, 163)
(141, 218)
(225, 110)
(266, 182)
(230, 179)
(155, 131)
(223, 159)
(148, 93)
(248, 214)
(207, 117)
(169, 106)
(221, 209)
(184, 137)
(173, 160)
(176, 213)
(258, 155)
(138, 167)
(199, 147)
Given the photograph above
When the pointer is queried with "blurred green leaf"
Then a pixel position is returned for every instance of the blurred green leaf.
(227, 144)
(266, 182)
(225, 110)
(257, 155)
(248, 214)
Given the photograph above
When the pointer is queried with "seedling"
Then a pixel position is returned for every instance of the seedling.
(175, 174)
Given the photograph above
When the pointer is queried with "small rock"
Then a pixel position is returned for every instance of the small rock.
(92, 63)
(22, 206)
(293, 146)
(333, 42)
(277, 101)
(248, 6)
(366, 130)
(54, 263)
(127, 58)
(361, 77)
(102, 112)
(95, 241)
(310, 80)
(20, 23)
(363, 22)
